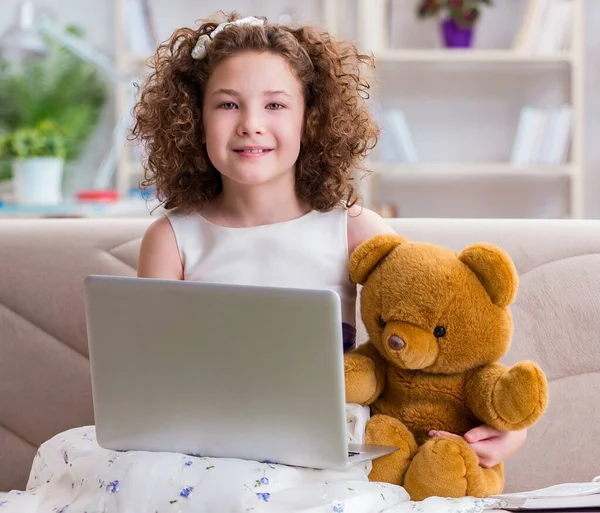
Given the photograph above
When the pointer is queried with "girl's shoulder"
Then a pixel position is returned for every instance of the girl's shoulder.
(364, 224)
(159, 254)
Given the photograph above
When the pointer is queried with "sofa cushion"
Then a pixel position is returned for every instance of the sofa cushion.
(45, 381)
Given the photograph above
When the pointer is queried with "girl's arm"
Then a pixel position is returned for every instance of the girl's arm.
(159, 254)
(364, 224)
(491, 445)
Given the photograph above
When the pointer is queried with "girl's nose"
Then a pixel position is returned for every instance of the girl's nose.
(251, 124)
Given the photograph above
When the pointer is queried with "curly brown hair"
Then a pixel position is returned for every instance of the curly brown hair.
(339, 130)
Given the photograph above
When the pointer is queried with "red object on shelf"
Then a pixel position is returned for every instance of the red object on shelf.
(98, 196)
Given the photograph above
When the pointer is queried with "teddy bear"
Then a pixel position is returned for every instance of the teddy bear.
(438, 321)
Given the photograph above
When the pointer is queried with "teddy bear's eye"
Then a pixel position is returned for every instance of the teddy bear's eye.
(439, 331)
(382, 323)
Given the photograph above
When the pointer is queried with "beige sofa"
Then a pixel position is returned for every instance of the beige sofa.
(44, 375)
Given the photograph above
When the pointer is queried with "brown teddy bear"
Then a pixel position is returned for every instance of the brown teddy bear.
(438, 322)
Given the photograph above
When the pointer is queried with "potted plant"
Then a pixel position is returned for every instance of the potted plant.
(37, 155)
(49, 108)
(458, 19)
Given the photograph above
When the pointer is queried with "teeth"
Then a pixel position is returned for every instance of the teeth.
(253, 151)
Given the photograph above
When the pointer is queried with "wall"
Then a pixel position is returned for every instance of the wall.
(455, 115)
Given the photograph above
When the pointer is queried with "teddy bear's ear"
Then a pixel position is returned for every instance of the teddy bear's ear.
(368, 254)
(494, 269)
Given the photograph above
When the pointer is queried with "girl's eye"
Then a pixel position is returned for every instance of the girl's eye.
(275, 106)
(228, 105)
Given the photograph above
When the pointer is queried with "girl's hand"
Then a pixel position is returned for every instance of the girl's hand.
(491, 445)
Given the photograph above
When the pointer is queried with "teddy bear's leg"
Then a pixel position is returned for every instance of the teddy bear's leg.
(385, 430)
(448, 467)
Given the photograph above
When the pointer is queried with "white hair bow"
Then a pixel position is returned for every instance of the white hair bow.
(199, 51)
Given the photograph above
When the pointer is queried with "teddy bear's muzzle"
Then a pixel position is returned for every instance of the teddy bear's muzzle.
(410, 346)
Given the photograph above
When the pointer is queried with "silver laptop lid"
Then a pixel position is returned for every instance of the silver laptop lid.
(217, 370)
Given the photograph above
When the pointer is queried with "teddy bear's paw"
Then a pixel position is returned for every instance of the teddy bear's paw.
(360, 378)
(520, 395)
(385, 430)
(448, 467)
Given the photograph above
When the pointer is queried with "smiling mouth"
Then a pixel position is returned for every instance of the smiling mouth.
(253, 151)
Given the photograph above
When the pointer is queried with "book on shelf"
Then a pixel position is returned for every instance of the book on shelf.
(546, 27)
(543, 136)
(561, 497)
(396, 142)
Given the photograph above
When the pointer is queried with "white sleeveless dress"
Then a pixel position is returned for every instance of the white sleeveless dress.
(308, 252)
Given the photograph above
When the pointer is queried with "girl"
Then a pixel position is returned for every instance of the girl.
(253, 133)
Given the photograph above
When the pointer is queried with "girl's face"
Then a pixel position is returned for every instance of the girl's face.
(253, 113)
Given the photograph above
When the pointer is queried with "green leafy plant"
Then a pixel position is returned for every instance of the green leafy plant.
(465, 13)
(50, 105)
(43, 140)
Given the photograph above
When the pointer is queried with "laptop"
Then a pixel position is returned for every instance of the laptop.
(226, 371)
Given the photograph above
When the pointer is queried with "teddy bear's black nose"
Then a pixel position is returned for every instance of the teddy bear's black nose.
(396, 342)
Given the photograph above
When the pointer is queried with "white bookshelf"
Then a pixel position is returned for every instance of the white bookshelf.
(469, 56)
(373, 20)
(399, 173)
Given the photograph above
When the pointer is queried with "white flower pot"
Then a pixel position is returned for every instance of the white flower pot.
(38, 180)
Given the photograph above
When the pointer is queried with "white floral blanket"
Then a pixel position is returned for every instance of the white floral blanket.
(71, 473)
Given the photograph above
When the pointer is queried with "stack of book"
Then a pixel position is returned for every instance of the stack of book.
(396, 143)
(546, 27)
(543, 136)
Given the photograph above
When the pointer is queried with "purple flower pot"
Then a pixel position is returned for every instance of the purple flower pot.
(455, 36)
